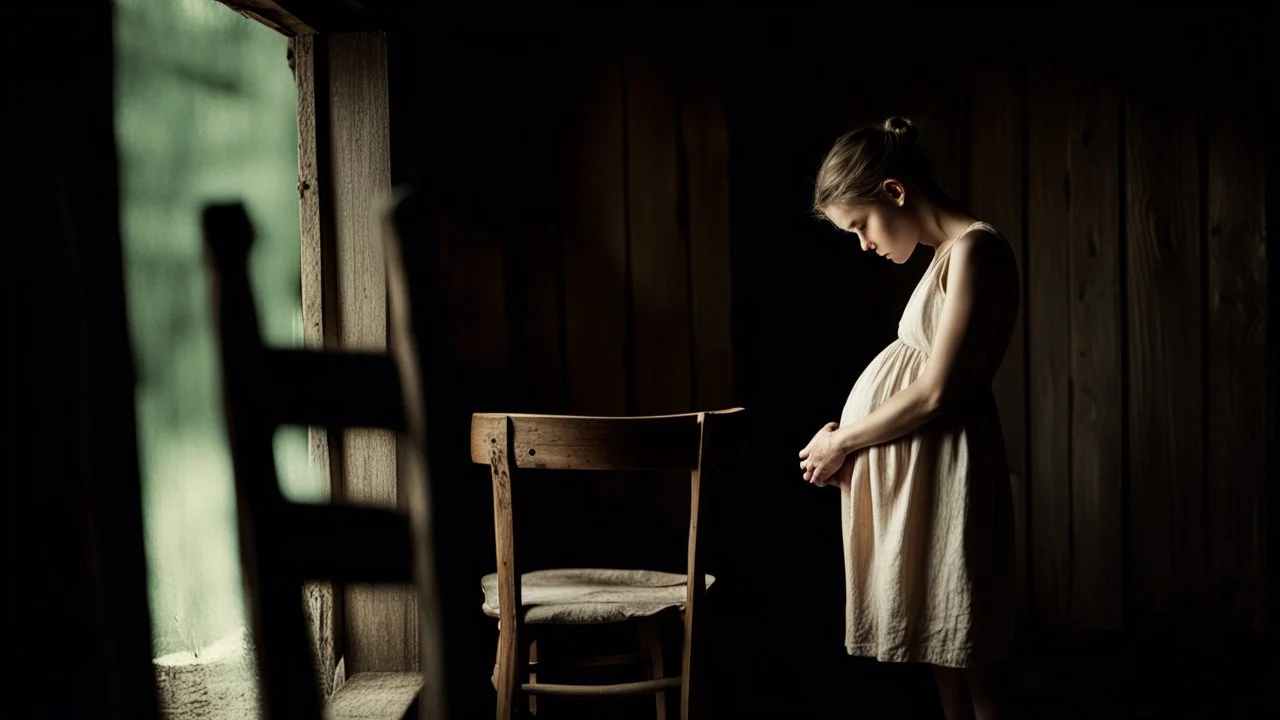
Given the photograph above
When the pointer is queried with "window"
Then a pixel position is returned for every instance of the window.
(207, 111)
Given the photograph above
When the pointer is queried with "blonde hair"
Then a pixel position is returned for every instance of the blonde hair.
(859, 162)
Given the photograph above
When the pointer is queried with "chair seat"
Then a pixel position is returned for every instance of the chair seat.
(592, 596)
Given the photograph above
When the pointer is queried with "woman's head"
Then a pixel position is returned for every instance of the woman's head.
(871, 182)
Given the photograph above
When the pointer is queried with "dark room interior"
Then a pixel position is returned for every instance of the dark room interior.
(607, 213)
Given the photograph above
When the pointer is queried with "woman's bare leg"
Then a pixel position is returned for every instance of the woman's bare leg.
(989, 689)
(952, 691)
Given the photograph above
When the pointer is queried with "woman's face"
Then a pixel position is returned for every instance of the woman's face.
(882, 227)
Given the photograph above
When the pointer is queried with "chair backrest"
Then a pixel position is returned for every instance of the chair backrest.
(701, 443)
(574, 442)
(286, 544)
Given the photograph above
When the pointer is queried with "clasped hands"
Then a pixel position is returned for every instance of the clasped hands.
(824, 456)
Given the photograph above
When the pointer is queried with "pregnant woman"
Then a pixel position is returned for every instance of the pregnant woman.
(918, 453)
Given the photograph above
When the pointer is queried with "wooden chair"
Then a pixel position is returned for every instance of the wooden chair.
(702, 443)
(285, 544)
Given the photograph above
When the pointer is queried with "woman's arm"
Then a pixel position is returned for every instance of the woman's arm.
(973, 320)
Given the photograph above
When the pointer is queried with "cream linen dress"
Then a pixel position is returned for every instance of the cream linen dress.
(927, 519)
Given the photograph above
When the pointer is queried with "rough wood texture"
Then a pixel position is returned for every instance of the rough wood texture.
(997, 193)
(1049, 362)
(376, 696)
(381, 623)
(565, 442)
(658, 245)
(309, 55)
(512, 667)
(1163, 226)
(1096, 344)
(1236, 374)
(592, 201)
(705, 147)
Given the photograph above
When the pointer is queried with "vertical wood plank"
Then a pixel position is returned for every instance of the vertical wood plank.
(592, 210)
(705, 137)
(1166, 499)
(317, 245)
(1048, 311)
(997, 193)
(381, 622)
(658, 249)
(1237, 322)
(1096, 344)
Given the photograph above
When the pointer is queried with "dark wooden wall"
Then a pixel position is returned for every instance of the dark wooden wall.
(1135, 178)
(78, 631)
(586, 270)
(629, 233)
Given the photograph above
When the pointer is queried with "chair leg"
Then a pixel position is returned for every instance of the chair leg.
(507, 677)
(691, 673)
(533, 675)
(651, 645)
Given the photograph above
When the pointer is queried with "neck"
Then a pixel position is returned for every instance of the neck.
(941, 224)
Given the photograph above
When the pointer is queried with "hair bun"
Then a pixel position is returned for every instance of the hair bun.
(901, 128)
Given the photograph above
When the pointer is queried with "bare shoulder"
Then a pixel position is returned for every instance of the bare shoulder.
(984, 257)
(983, 246)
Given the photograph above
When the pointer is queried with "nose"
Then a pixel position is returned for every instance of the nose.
(862, 242)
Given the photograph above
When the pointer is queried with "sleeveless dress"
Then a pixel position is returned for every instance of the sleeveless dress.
(928, 518)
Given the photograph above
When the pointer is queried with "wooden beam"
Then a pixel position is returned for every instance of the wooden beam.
(318, 250)
(307, 17)
(381, 623)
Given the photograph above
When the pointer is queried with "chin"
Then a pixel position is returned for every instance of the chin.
(899, 258)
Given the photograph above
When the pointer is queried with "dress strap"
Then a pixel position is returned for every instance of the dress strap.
(981, 224)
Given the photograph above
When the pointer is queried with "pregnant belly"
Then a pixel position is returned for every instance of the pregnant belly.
(896, 367)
